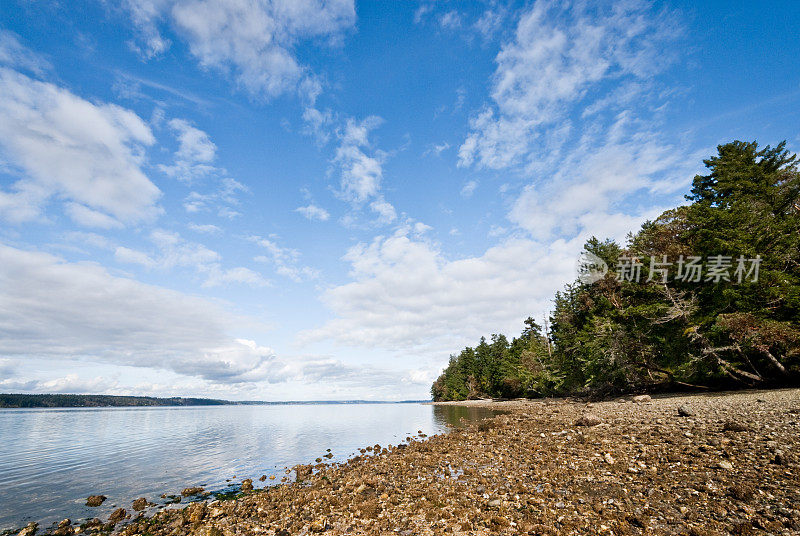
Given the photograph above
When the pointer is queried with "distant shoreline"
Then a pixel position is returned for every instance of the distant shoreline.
(30, 401)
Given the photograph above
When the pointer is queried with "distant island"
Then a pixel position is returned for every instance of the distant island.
(97, 401)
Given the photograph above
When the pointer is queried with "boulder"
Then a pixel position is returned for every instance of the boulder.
(29, 530)
(95, 500)
(685, 411)
(588, 419)
(192, 491)
(117, 515)
(247, 485)
(140, 504)
(640, 399)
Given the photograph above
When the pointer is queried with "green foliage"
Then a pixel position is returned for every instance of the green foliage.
(617, 336)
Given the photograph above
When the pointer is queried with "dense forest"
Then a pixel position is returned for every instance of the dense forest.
(90, 401)
(706, 296)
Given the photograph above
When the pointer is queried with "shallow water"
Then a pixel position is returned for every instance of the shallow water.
(52, 459)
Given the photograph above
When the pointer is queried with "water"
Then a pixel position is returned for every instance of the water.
(52, 459)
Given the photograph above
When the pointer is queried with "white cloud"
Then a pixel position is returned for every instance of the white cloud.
(55, 309)
(406, 296)
(172, 251)
(206, 228)
(313, 212)
(361, 174)
(285, 260)
(253, 40)
(14, 54)
(555, 64)
(469, 188)
(68, 148)
(195, 155)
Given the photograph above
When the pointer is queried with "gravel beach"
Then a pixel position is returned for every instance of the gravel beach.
(711, 464)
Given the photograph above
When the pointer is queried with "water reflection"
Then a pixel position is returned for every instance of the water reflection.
(455, 416)
(52, 459)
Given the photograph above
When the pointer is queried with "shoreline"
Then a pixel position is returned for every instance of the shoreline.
(700, 464)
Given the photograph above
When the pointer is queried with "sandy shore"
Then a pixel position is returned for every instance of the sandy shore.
(697, 465)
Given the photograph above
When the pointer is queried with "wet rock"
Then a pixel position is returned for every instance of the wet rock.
(303, 471)
(247, 485)
(95, 500)
(588, 419)
(195, 512)
(140, 504)
(262, 478)
(64, 528)
(117, 515)
(640, 399)
(685, 411)
(29, 530)
(192, 491)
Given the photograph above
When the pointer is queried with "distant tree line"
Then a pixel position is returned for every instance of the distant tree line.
(616, 335)
(89, 401)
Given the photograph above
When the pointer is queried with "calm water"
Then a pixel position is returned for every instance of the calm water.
(52, 459)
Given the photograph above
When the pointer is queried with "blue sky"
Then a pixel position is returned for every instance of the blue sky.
(308, 199)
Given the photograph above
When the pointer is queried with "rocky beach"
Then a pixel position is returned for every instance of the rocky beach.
(706, 464)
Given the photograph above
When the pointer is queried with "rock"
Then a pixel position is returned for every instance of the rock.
(247, 485)
(64, 528)
(495, 503)
(302, 471)
(262, 478)
(318, 525)
(780, 458)
(589, 419)
(640, 399)
(609, 459)
(117, 515)
(214, 531)
(140, 504)
(195, 512)
(95, 500)
(192, 491)
(685, 411)
(29, 530)
(734, 426)
(725, 464)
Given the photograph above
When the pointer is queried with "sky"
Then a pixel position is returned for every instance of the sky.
(324, 199)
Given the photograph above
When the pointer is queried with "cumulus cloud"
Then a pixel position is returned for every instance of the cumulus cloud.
(65, 147)
(252, 40)
(406, 295)
(56, 309)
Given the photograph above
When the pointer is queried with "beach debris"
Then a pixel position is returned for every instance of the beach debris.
(95, 500)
